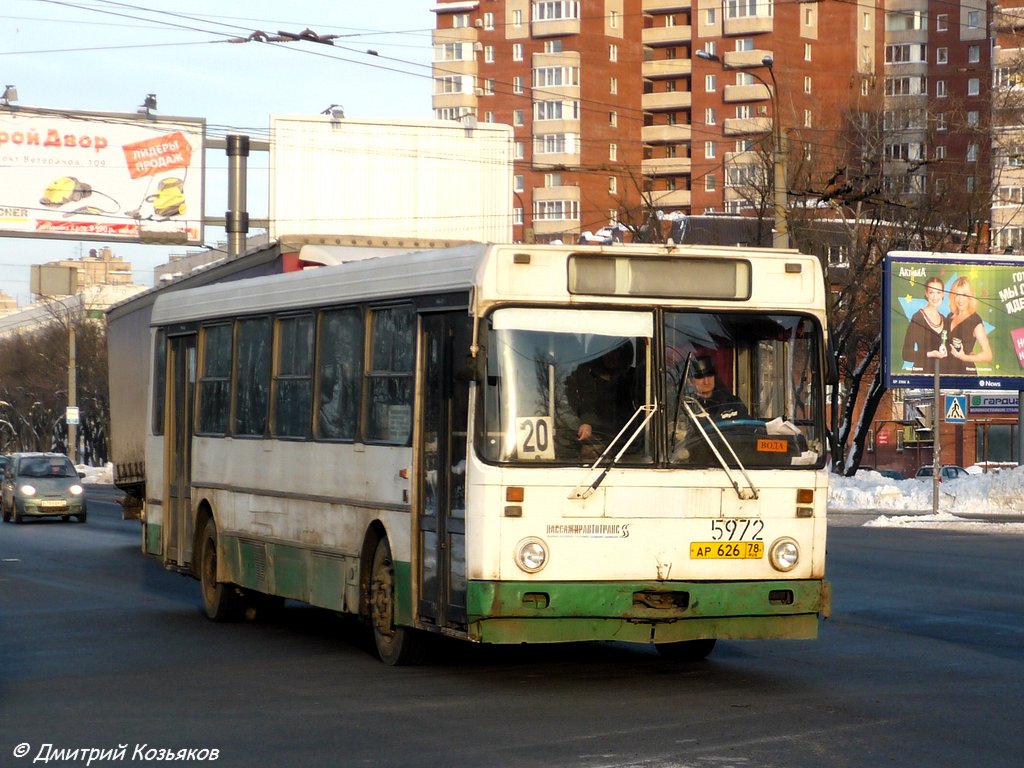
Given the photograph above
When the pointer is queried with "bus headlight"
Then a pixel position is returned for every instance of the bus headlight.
(531, 554)
(784, 554)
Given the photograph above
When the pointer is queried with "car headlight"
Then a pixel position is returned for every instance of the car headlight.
(784, 554)
(27, 490)
(531, 554)
(76, 490)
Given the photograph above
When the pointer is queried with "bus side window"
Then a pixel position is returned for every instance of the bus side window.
(390, 376)
(340, 375)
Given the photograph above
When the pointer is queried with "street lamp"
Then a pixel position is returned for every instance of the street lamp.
(780, 235)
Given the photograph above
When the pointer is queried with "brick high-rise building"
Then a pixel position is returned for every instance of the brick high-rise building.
(1008, 123)
(615, 116)
(622, 108)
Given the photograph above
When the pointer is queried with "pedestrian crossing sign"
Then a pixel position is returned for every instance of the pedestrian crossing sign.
(956, 409)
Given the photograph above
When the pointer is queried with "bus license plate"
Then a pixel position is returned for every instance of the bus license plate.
(726, 550)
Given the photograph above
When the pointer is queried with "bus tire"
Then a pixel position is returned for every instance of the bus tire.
(688, 650)
(221, 601)
(396, 646)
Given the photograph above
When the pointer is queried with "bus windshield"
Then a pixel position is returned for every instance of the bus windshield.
(567, 385)
(742, 388)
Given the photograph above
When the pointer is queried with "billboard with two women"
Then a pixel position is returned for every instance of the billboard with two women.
(964, 314)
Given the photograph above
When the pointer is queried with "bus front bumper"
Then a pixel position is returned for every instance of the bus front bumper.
(646, 612)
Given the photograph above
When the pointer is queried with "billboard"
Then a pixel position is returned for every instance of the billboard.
(399, 180)
(100, 176)
(965, 314)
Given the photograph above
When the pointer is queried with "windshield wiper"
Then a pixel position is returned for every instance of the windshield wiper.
(695, 417)
(583, 490)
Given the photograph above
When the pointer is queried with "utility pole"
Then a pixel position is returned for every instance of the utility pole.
(49, 282)
(780, 197)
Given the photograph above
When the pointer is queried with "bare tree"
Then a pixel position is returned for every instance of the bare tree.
(34, 386)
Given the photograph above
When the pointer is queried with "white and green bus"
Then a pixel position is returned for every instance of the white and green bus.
(502, 443)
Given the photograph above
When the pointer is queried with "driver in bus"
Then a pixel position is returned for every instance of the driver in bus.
(601, 399)
(718, 401)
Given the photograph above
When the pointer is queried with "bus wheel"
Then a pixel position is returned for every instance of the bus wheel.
(221, 601)
(689, 650)
(395, 645)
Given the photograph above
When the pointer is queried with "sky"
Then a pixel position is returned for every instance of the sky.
(106, 56)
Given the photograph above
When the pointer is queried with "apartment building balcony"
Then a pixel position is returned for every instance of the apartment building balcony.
(748, 25)
(676, 198)
(556, 126)
(666, 101)
(753, 92)
(1006, 19)
(561, 59)
(554, 27)
(902, 36)
(454, 35)
(551, 160)
(742, 126)
(559, 192)
(568, 228)
(453, 67)
(746, 59)
(665, 134)
(667, 68)
(652, 6)
(906, 68)
(453, 100)
(655, 36)
(667, 166)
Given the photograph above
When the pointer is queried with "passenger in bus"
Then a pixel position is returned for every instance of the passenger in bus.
(601, 399)
(718, 401)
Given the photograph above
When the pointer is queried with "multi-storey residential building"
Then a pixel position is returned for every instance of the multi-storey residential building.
(616, 117)
(1008, 133)
(937, 106)
(624, 108)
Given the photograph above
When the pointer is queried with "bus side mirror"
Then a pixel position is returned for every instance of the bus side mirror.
(830, 361)
(474, 368)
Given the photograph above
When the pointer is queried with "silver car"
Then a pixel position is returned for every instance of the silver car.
(42, 485)
(946, 472)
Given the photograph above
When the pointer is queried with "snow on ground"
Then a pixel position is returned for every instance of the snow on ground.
(992, 502)
(98, 475)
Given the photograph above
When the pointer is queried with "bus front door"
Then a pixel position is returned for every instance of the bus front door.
(178, 446)
(441, 472)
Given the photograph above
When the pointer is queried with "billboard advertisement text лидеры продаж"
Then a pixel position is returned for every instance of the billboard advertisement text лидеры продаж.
(100, 176)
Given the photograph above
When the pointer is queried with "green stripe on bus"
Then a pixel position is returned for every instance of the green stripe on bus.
(323, 579)
(152, 538)
(641, 611)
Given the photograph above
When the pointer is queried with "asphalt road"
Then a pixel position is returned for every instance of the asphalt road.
(920, 665)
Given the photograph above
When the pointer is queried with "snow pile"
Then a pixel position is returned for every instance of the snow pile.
(992, 502)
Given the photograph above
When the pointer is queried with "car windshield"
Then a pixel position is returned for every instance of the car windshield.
(46, 467)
